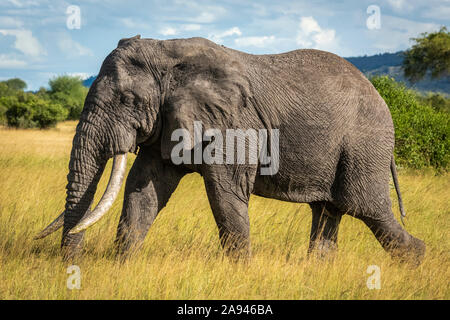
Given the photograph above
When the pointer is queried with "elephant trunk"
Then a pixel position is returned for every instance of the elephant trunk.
(97, 139)
(107, 200)
(85, 169)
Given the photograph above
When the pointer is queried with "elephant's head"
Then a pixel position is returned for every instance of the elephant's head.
(145, 89)
(121, 110)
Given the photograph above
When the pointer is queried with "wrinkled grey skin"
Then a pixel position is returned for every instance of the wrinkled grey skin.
(336, 139)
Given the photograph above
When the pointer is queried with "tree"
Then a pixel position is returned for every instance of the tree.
(16, 84)
(11, 87)
(70, 93)
(29, 111)
(430, 53)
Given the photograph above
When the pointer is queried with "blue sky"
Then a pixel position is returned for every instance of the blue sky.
(36, 43)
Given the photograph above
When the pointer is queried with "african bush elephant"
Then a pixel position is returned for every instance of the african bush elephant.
(335, 150)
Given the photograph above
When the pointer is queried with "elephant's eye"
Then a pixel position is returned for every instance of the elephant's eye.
(126, 98)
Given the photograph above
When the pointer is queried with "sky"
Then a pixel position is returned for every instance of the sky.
(40, 39)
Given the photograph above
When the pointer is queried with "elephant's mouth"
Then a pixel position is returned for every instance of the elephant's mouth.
(112, 190)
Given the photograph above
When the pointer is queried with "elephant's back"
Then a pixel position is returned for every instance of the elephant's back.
(306, 59)
(315, 86)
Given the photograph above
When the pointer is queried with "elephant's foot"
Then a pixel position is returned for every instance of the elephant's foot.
(72, 246)
(410, 252)
(128, 242)
(235, 247)
(402, 246)
(324, 230)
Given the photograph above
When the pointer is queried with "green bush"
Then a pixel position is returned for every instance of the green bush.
(16, 84)
(20, 115)
(70, 93)
(28, 111)
(421, 133)
(3, 110)
(73, 105)
(437, 101)
(44, 108)
(5, 103)
(47, 113)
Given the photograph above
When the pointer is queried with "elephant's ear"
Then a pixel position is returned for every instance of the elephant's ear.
(214, 95)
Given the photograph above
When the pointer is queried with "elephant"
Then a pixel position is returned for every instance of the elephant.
(335, 143)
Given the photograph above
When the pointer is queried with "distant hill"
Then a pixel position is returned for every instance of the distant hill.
(390, 64)
(380, 64)
(88, 82)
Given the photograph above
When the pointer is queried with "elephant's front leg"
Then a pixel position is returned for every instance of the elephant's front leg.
(324, 229)
(228, 189)
(149, 186)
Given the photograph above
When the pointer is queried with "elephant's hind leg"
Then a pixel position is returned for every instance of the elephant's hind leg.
(324, 229)
(228, 190)
(149, 186)
(395, 240)
(368, 199)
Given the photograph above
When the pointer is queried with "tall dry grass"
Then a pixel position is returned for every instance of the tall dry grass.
(182, 259)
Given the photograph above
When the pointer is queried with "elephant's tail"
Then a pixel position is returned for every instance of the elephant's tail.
(397, 189)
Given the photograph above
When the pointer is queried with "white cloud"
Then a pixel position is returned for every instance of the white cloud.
(397, 4)
(218, 37)
(191, 27)
(311, 35)
(81, 75)
(72, 48)
(10, 22)
(24, 3)
(171, 31)
(259, 42)
(7, 62)
(203, 13)
(438, 13)
(203, 17)
(168, 31)
(395, 33)
(133, 23)
(16, 3)
(25, 42)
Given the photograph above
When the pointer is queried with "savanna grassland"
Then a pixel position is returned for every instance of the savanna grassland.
(182, 259)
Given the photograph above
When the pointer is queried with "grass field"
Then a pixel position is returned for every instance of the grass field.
(181, 258)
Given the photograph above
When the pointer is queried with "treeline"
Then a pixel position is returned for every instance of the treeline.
(44, 108)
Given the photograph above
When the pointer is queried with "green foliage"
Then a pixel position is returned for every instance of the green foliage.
(44, 108)
(421, 132)
(70, 93)
(20, 114)
(43, 93)
(6, 91)
(437, 101)
(5, 103)
(431, 52)
(29, 111)
(3, 110)
(16, 84)
(47, 113)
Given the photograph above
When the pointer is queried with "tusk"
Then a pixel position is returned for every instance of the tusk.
(52, 227)
(111, 192)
